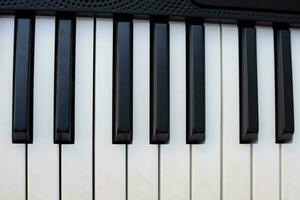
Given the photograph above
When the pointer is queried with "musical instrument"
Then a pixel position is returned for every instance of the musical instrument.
(149, 100)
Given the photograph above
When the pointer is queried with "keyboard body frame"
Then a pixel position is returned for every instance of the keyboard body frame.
(172, 9)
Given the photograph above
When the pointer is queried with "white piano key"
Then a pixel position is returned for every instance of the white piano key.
(290, 153)
(175, 156)
(265, 164)
(142, 157)
(235, 156)
(43, 155)
(110, 159)
(12, 156)
(206, 165)
(76, 159)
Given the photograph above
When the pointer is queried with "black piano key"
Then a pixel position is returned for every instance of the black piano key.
(23, 80)
(284, 86)
(248, 86)
(160, 83)
(195, 84)
(122, 95)
(64, 81)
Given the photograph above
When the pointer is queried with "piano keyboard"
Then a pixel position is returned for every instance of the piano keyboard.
(115, 109)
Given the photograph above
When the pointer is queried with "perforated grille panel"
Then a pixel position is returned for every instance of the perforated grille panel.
(167, 6)
(146, 7)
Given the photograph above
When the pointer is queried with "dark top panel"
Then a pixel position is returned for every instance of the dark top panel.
(271, 5)
(173, 8)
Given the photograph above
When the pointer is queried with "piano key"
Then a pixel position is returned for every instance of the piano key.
(12, 157)
(23, 80)
(160, 86)
(248, 85)
(195, 84)
(110, 159)
(64, 81)
(235, 157)
(290, 153)
(122, 113)
(76, 159)
(265, 153)
(43, 156)
(284, 87)
(175, 156)
(142, 157)
(205, 163)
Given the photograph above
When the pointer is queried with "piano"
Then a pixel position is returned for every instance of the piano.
(149, 100)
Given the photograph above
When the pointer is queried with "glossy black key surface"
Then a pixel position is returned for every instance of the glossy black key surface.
(195, 84)
(248, 86)
(284, 87)
(64, 81)
(23, 80)
(122, 93)
(160, 83)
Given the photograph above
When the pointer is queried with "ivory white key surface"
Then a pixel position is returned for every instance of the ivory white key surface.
(110, 159)
(265, 164)
(235, 156)
(142, 157)
(175, 156)
(290, 153)
(43, 155)
(12, 156)
(206, 165)
(76, 161)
